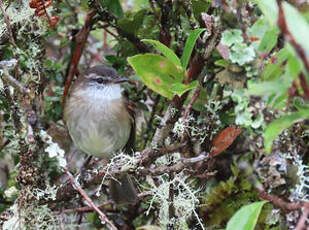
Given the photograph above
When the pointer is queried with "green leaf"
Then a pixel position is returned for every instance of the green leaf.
(293, 67)
(132, 24)
(246, 217)
(114, 7)
(222, 62)
(156, 72)
(273, 69)
(167, 52)
(259, 28)
(269, 40)
(269, 9)
(179, 88)
(297, 25)
(198, 7)
(278, 125)
(277, 102)
(296, 22)
(268, 87)
(194, 34)
(300, 103)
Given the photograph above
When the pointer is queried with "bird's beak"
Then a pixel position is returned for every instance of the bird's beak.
(120, 80)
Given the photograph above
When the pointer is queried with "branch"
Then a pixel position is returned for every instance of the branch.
(67, 190)
(191, 103)
(7, 21)
(278, 202)
(176, 168)
(81, 39)
(90, 209)
(188, 109)
(149, 155)
(152, 115)
(171, 195)
(300, 51)
(12, 81)
(166, 8)
(172, 114)
(302, 220)
(156, 15)
(103, 217)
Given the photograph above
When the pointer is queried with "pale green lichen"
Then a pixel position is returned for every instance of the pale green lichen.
(42, 218)
(200, 127)
(240, 52)
(30, 29)
(185, 202)
(195, 128)
(185, 199)
(39, 217)
(244, 112)
(122, 162)
(300, 193)
(11, 192)
(49, 193)
(53, 149)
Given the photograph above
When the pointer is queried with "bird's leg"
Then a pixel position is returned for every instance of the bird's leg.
(85, 165)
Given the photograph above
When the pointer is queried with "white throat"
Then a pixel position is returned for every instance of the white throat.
(103, 93)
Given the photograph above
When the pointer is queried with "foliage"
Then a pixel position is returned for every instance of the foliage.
(161, 76)
(221, 95)
(246, 217)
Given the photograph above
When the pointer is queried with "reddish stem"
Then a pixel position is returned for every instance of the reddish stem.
(300, 51)
(81, 39)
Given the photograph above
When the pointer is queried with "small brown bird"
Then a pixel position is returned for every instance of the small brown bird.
(101, 123)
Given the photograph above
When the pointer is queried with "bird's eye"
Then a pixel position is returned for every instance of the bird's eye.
(100, 80)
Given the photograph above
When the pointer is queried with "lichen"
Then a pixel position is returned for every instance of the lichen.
(30, 29)
(301, 191)
(185, 201)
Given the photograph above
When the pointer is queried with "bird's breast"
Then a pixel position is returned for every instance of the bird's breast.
(100, 127)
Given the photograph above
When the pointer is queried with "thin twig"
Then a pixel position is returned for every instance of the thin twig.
(278, 202)
(188, 110)
(81, 39)
(90, 209)
(191, 103)
(12, 81)
(83, 209)
(157, 16)
(103, 217)
(7, 21)
(176, 168)
(111, 33)
(149, 155)
(286, 32)
(302, 220)
(153, 112)
(171, 194)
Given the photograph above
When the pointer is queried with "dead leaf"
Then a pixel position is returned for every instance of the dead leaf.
(237, 81)
(224, 51)
(223, 140)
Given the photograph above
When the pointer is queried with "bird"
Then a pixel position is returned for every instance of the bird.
(101, 122)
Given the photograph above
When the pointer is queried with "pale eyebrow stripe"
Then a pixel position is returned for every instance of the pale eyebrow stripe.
(93, 75)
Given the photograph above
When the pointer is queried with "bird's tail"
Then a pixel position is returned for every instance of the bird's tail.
(122, 190)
